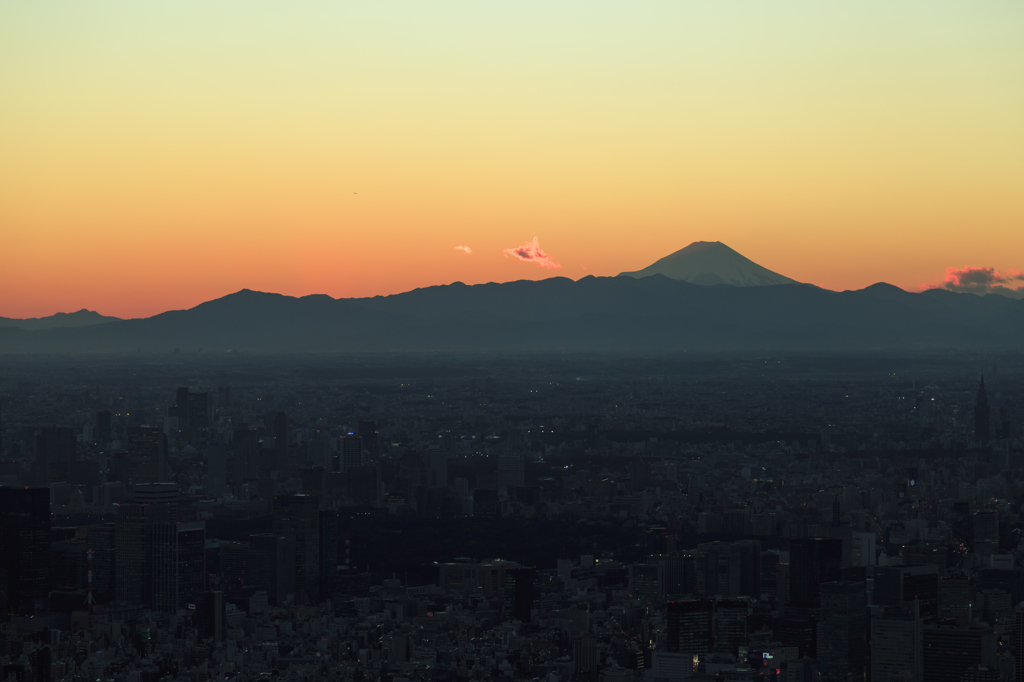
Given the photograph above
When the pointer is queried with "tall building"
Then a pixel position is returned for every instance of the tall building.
(690, 626)
(1017, 644)
(246, 450)
(842, 629)
(812, 561)
(277, 428)
(133, 551)
(584, 655)
(368, 432)
(210, 616)
(519, 593)
(104, 433)
(55, 451)
(181, 402)
(147, 455)
(298, 517)
(731, 569)
(986, 533)
(351, 452)
(798, 632)
(25, 545)
(896, 643)
(947, 650)
(178, 565)
(99, 541)
(510, 470)
(159, 495)
(982, 415)
(271, 566)
(955, 597)
(897, 585)
(730, 631)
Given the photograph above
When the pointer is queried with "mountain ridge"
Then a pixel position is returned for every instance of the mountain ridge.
(606, 314)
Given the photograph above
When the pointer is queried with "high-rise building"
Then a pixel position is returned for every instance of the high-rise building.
(948, 650)
(731, 569)
(55, 451)
(519, 593)
(690, 626)
(842, 629)
(986, 533)
(1017, 644)
(799, 632)
(298, 517)
(159, 495)
(25, 545)
(147, 455)
(584, 655)
(181, 402)
(271, 565)
(179, 564)
(730, 625)
(955, 597)
(277, 428)
(896, 585)
(368, 432)
(510, 470)
(982, 414)
(133, 551)
(246, 447)
(812, 561)
(210, 616)
(104, 433)
(896, 644)
(351, 451)
(199, 410)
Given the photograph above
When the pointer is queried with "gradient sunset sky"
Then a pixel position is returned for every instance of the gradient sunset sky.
(156, 155)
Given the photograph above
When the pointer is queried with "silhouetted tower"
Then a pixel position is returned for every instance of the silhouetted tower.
(981, 415)
(25, 545)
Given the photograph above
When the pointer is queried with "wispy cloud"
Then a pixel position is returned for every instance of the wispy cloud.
(532, 253)
(464, 249)
(980, 280)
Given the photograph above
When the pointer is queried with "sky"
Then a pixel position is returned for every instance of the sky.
(156, 155)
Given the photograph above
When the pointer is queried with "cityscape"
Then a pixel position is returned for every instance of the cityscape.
(461, 518)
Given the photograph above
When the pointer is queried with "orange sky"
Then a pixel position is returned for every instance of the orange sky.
(153, 157)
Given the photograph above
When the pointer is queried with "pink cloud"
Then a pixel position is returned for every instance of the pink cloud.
(464, 249)
(583, 266)
(977, 280)
(532, 253)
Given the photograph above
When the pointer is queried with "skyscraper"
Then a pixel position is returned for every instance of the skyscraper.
(351, 448)
(298, 517)
(689, 626)
(179, 564)
(519, 593)
(949, 650)
(812, 561)
(147, 455)
(103, 430)
(896, 652)
(133, 551)
(55, 451)
(981, 415)
(25, 545)
(842, 630)
(271, 565)
(986, 533)
(897, 585)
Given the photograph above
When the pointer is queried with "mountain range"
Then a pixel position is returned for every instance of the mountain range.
(639, 313)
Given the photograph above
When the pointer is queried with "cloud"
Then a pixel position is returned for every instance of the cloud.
(583, 266)
(464, 249)
(980, 280)
(532, 253)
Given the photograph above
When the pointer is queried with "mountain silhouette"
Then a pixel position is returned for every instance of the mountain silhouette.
(710, 263)
(82, 318)
(652, 314)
